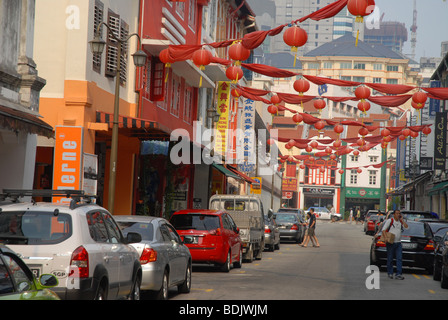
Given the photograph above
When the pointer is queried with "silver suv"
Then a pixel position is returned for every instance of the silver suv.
(80, 243)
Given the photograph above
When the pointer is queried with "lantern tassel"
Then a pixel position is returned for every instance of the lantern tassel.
(357, 37)
(167, 65)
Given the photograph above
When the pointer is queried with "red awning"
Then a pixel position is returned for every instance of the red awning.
(233, 169)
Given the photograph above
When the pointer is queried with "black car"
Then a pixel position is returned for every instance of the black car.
(291, 226)
(416, 215)
(441, 257)
(418, 247)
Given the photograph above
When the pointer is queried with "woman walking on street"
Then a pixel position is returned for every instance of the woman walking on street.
(310, 234)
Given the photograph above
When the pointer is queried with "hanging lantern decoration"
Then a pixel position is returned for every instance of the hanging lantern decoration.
(338, 129)
(362, 93)
(402, 137)
(275, 99)
(302, 166)
(202, 58)
(406, 132)
(420, 99)
(361, 142)
(341, 171)
(288, 145)
(164, 57)
(364, 106)
(414, 134)
(313, 144)
(297, 118)
(363, 131)
(337, 143)
(301, 86)
(272, 109)
(360, 9)
(328, 150)
(322, 169)
(319, 125)
(319, 104)
(236, 93)
(356, 153)
(238, 52)
(308, 149)
(295, 37)
(426, 130)
(234, 73)
(385, 132)
(332, 156)
(359, 170)
(384, 145)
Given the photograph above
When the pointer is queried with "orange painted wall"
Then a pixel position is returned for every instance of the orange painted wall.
(77, 108)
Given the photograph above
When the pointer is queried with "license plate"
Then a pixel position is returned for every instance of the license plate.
(36, 272)
(191, 239)
(407, 245)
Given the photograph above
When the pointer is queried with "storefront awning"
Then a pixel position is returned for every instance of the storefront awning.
(438, 188)
(242, 175)
(225, 171)
(16, 120)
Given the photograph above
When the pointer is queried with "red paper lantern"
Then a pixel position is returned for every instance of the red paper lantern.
(328, 150)
(414, 134)
(275, 99)
(164, 56)
(419, 98)
(341, 171)
(234, 73)
(322, 169)
(359, 170)
(417, 106)
(288, 146)
(302, 166)
(384, 144)
(297, 118)
(295, 37)
(319, 104)
(238, 52)
(236, 93)
(364, 106)
(337, 143)
(401, 137)
(385, 132)
(426, 130)
(406, 132)
(301, 86)
(308, 149)
(387, 139)
(319, 125)
(332, 156)
(313, 144)
(356, 153)
(272, 109)
(202, 58)
(360, 142)
(338, 128)
(360, 8)
(363, 131)
(362, 92)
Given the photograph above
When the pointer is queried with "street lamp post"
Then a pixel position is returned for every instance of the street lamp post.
(97, 46)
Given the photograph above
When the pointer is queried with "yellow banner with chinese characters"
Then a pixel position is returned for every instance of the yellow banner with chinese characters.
(223, 110)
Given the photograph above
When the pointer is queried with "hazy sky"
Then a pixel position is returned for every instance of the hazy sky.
(432, 23)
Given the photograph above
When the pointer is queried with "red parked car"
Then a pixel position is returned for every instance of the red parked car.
(211, 235)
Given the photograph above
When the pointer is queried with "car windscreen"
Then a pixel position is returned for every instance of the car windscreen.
(145, 229)
(417, 230)
(284, 217)
(417, 215)
(195, 221)
(24, 227)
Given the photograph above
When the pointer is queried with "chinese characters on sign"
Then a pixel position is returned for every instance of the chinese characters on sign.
(223, 111)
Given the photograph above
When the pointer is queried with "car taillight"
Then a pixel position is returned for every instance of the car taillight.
(379, 243)
(267, 229)
(294, 227)
(148, 255)
(79, 263)
(429, 246)
(216, 232)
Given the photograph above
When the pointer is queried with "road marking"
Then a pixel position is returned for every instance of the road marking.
(431, 291)
(427, 277)
(416, 276)
(205, 290)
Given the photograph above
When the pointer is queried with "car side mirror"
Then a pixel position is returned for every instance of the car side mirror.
(48, 280)
(133, 237)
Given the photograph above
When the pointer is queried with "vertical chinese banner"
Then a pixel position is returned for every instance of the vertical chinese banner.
(67, 163)
(248, 120)
(223, 111)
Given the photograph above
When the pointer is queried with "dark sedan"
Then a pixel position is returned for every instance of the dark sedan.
(418, 247)
(291, 226)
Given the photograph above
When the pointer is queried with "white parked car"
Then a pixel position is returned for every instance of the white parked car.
(79, 243)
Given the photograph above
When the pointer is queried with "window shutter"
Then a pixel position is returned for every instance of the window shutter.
(112, 44)
(158, 81)
(97, 19)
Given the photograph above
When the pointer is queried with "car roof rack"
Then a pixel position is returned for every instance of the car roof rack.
(75, 195)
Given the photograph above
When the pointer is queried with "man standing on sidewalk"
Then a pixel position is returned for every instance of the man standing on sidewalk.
(395, 225)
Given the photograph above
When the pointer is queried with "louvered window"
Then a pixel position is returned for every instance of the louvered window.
(120, 29)
(97, 19)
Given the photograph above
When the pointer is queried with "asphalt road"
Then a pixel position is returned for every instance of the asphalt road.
(335, 271)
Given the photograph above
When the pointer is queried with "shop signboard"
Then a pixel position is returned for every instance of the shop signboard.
(364, 193)
(67, 163)
(289, 184)
(440, 141)
(222, 125)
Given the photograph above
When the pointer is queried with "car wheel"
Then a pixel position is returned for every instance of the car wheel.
(101, 294)
(163, 293)
(226, 266)
(135, 292)
(238, 264)
(185, 287)
(444, 278)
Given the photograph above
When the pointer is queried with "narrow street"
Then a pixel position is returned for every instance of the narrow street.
(335, 271)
